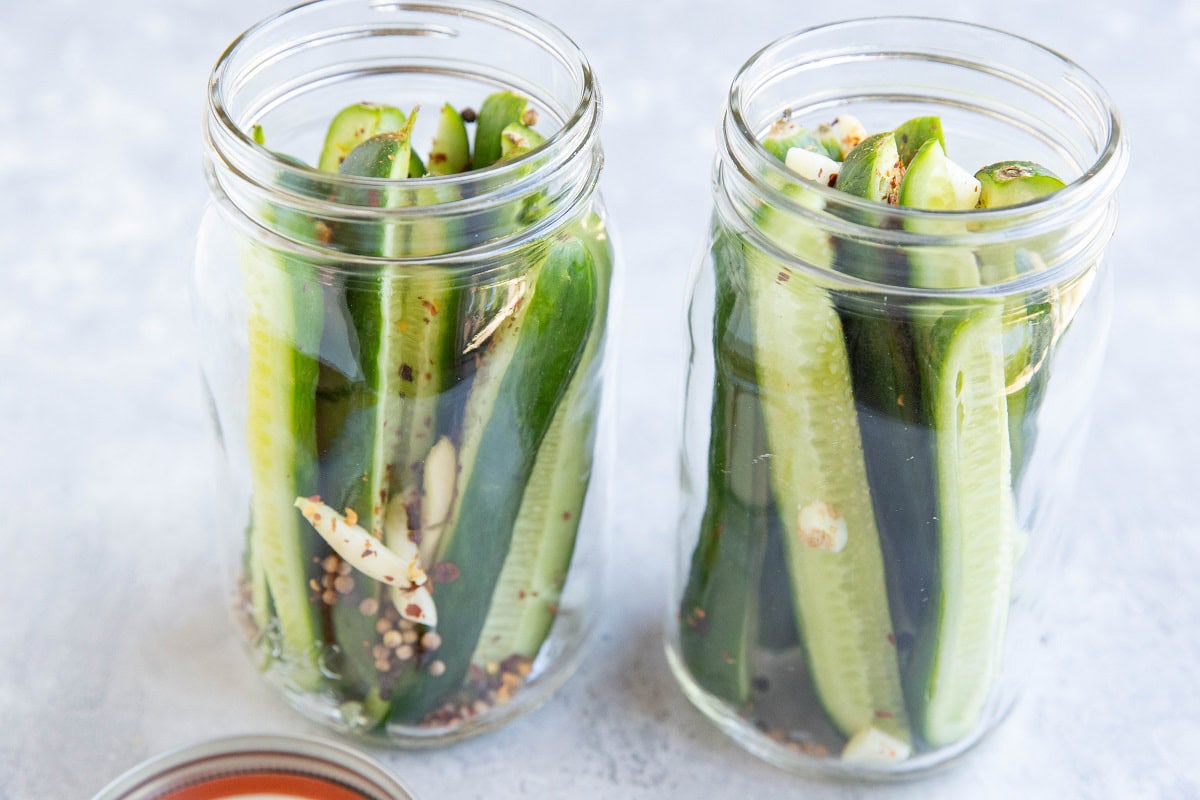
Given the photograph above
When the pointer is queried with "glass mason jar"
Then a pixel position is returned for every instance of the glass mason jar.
(406, 375)
(885, 406)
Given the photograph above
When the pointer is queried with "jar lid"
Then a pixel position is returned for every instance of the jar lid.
(258, 768)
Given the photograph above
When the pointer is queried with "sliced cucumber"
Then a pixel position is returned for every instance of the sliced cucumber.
(872, 169)
(719, 611)
(451, 151)
(817, 468)
(498, 111)
(352, 126)
(957, 655)
(525, 603)
(1009, 183)
(1028, 324)
(912, 135)
(284, 332)
(520, 383)
(957, 649)
(359, 469)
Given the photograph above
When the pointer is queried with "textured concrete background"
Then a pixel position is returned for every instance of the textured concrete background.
(114, 641)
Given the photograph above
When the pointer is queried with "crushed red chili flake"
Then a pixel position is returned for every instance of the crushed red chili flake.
(368, 552)
(566, 515)
(406, 372)
(783, 277)
(388, 578)
(414, 610)
(884, 715)
(891, 638)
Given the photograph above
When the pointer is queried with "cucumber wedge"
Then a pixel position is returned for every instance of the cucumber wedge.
(957, 653)
(821, 492)
(498, 111)
(515, 394)
(352, 126)
(719, 611)
(958, 646)
(284, 332)
(1028, 325)
(527, 594)
(451, 150)
(840, 596)
(358, 472)
(912, 135)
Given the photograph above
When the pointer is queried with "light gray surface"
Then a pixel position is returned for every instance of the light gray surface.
(114, 641)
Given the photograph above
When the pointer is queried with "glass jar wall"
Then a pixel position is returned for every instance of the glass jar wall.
(885, 403)
(405, 345)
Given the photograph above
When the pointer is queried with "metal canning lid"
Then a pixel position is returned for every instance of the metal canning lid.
(258, 768)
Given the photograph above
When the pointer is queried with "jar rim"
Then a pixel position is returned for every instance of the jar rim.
(1096, 183)
(240, 152)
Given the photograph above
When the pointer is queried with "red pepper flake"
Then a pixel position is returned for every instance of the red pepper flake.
(783, 277)
(728, 659)
(884, 715)
(430, 306)
(406, 372)
(367, 553)
(444, 572)
(316, 517)
(316, 498)
(552, 608)
(414, 610)
(521, 594)
(566, 516)
(389, 578)
(891, 639)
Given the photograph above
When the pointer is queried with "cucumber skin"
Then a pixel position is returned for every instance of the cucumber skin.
(552, 504)
(281, 551)
(499, 110)
(898, 449)
(948, 687)
(358, 471)
(549, 344)
(949, 675)
(718, 614)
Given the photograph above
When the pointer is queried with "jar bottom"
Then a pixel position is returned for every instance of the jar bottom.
(562, 654)
(792, 757)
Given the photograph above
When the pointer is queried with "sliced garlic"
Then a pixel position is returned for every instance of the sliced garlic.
(415, 604)
(820, 526)
(441, 478)
(813, 166)
(872, 746)
(849, 132)
(395, 567)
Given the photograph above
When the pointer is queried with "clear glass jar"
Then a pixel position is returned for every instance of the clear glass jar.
(885, 406)
(406, 375)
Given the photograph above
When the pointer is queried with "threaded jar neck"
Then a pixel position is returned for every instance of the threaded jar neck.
(1001, 97)
(293, 72)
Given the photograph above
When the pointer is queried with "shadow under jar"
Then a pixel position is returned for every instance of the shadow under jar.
(406, 372)
(886, 406)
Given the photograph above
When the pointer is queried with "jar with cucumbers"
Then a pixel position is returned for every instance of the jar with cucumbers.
(895, 330)
(401, 290)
